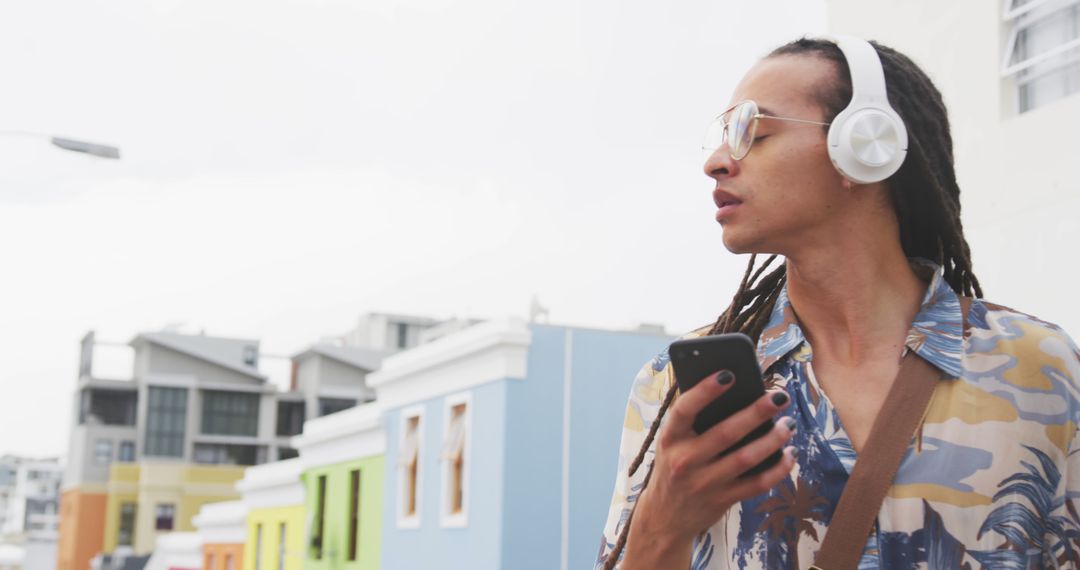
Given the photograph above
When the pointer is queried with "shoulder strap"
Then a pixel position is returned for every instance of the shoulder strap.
(889, 439)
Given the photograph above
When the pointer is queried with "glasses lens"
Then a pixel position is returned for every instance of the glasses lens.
(741, 129)
(714, 137)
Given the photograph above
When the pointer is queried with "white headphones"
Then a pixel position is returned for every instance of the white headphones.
(868, 139)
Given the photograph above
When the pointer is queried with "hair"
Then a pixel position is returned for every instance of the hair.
(924, 195)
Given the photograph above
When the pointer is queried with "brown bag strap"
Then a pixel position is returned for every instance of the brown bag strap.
(903, 411)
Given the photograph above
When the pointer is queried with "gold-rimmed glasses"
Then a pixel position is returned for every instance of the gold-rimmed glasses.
(738, 129)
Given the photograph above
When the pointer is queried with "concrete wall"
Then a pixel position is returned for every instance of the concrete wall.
(165, 361)
(1017, 180)
(82, 464)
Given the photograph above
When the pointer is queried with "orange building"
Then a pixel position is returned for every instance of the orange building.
(81, 508)
(222, 528)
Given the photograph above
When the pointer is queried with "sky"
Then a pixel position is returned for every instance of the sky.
(289, 165)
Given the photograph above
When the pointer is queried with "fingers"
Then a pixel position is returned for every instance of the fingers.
(686, 407)
(744, 488)
(753, 453)
(727, 433)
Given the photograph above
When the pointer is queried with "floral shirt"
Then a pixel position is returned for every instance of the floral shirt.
(990, 480)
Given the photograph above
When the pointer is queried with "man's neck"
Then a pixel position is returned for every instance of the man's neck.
(857, 304)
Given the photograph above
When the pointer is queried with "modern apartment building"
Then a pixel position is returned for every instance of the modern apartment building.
(386, 332)
(147, 452)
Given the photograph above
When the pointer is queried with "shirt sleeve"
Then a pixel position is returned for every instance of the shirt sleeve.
(647, 393)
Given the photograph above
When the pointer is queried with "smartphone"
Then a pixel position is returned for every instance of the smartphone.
(694, 359)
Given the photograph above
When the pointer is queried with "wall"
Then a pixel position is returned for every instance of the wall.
(1017, 181)
(165, 361)
(336, 521)
(216, 555)
(269, 557)
(476, 546)
(81, 530)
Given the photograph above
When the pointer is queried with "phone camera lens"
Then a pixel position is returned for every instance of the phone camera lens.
(697, 352)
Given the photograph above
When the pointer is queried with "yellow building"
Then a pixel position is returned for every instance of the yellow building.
(145, 499)
(274, 497)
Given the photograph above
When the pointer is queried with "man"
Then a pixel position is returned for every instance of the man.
(873, 273)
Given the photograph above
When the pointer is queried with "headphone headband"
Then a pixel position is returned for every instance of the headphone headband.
(867, 140)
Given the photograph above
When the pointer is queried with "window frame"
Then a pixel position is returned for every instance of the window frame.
(1020, 74)
(448, 518)
(99, 445)
(405, 520)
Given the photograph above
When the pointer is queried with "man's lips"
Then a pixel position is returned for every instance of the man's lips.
(726, 203)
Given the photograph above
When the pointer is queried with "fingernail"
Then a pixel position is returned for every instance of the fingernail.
(725, 377)
(779, 398)
(793, 452)
(789, 422)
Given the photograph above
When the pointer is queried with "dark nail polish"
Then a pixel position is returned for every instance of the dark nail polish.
(725, 377)
(793, 452)
(779, 398)
(789, 422)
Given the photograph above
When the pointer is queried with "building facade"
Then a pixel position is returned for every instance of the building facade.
(274, 498)
(343, 475)
(222, 530)
(502, 442)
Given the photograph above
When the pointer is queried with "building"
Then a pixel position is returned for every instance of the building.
(386, 333)
(502, 444)
(222, 530)
(1010, 75)
(29, 510)
(342, 458)
(176, 551)
(274, 498)
(147, 452)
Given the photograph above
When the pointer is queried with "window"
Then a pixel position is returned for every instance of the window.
(320, 516)
(166, 418)
(354, 512)
(281, 547)
(230, 413)
(228, 562)
(1042, 53)
(287, 453)
(107, 407)
(290, 418)
(454, 458)
(409, 471)
(102, 452)
(331, 405)
(228, 454)
(126, 535)
(164, 513)
(127, 452)
(402, 335)
(209, 562)
(258, 546)
(251, 355)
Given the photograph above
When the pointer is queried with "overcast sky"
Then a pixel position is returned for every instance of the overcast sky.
(289, 165)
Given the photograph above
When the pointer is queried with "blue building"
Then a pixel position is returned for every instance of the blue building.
(502, 443)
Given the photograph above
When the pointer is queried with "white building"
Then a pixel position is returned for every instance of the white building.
(1009, 71)
(29, 511)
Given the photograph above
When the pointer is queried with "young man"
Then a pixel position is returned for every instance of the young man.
(873, 274)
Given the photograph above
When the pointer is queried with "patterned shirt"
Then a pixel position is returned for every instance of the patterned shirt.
(990, 480)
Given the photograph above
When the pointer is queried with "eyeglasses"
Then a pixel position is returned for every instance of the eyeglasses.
(739, 129)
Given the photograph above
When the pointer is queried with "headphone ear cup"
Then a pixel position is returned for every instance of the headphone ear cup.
(867, 144)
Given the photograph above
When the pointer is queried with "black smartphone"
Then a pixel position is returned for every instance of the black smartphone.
(694, 359)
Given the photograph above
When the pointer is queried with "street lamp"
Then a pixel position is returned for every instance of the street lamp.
(74, 145)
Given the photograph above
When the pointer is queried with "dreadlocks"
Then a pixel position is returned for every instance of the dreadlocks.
(924, 194)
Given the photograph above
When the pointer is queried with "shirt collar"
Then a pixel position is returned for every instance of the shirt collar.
(936, 334)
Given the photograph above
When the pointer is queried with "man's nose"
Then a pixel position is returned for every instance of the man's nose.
(720, 164)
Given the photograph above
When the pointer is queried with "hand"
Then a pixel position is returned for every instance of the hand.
(691, 487)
